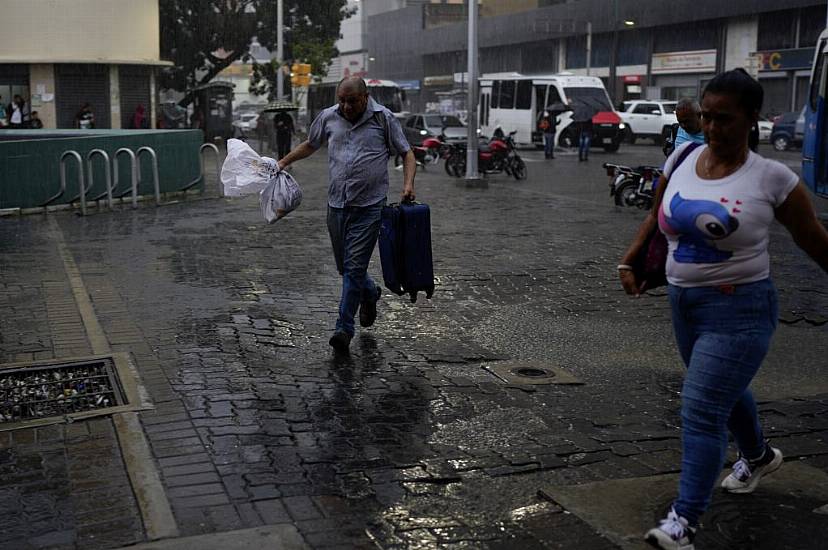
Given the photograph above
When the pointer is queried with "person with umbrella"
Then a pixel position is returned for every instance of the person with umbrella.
(582, 113)
(548, 123)
(283, 126)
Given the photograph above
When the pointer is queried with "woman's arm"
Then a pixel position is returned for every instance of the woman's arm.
(646, 227)
(797, 214)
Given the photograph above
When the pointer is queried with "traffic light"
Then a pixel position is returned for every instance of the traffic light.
(300, 74)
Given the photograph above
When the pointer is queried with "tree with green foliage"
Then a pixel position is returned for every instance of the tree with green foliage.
(203, 37)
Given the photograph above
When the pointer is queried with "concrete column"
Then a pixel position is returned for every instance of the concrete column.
(561, 55)
(742, 38)
(153, 110)
(42, 90)
(114, 97)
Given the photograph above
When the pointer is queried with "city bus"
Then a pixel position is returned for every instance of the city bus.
(513, 101)
(386, 92)
(814, 153)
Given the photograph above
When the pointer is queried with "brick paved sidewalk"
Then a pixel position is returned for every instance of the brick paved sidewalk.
(409, 443)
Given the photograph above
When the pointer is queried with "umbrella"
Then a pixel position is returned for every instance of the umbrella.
(279, 105)
(557, 108)
(583, 110)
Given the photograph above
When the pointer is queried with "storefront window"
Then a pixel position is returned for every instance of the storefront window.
(811, 25)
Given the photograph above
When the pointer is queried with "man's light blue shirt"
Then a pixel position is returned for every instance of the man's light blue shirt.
(683, 136)
(357, 153)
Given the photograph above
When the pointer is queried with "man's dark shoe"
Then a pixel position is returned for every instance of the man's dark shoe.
(368, 310)
(340, 341)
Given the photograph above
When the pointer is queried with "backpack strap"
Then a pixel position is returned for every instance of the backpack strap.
(380, 117)
(683, 156)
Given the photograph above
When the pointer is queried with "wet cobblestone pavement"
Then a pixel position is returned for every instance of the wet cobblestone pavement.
(408, 442)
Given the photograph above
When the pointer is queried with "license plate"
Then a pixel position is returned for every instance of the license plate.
(607, 140)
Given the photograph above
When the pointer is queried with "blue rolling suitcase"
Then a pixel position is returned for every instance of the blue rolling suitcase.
(405, 249)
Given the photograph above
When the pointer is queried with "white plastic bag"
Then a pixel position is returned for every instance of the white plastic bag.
(245, 172)
(280, 197)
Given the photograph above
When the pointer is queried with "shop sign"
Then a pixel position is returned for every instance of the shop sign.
(700, 61)
(441, 80)
(785, 60)
(408, 84)
(632, 79)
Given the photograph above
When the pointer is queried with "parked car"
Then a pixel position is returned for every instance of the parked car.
(765, 129)
(422, 125)
(648, 119)
(788, 131)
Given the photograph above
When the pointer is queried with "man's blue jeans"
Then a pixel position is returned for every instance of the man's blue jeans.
(584, 143)
(723, 334)
(354, 231)
(549, 144)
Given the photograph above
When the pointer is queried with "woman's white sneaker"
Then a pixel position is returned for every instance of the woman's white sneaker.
(673, 533)
(746, 476)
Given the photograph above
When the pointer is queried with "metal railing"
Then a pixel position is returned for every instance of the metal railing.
(156, 181)
(90, 173)
(202, 175)
(133, 173)
(59, 194)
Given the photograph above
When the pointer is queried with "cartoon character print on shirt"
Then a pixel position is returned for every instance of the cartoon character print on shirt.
(698, 225)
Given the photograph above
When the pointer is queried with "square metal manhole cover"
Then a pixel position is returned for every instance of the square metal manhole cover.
(530, 373)
(46, 392)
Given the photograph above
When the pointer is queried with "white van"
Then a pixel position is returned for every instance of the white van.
(513, 101)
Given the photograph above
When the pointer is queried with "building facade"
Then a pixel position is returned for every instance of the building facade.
(640, 48)
(60, 55)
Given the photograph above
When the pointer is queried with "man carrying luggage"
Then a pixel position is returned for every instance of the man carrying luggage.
(360, 134)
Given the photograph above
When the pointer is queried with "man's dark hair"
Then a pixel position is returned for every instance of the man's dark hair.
(354, 80)
(737, 82)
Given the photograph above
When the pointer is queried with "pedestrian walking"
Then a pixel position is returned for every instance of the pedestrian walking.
(85, 119)
(688, 127)
(716, 209)
(547, 126)
(17, 113)
(283, 123)
(139, 120)
(360, 134)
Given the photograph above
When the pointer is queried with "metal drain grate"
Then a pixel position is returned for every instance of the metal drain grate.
(529, 373)
(50, 392)
(30, 393)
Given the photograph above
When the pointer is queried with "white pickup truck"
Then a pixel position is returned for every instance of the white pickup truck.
(648, 119)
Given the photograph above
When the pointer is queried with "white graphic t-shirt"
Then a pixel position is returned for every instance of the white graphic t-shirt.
(717, 230)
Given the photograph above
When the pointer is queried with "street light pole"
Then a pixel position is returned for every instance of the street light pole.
(280, 49)
(589, 47)
(614, 54)
(473, 93)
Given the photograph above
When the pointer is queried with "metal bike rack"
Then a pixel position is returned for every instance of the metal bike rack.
(156, 181)
(133, 172)
(60, 193)
(201, 175)
(90, 173)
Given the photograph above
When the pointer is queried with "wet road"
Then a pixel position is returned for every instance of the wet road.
(410, 442)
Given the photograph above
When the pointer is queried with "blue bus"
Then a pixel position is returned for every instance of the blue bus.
(815, 145)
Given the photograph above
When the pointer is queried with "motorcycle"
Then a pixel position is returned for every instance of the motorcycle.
(496, 156)
(632, 186)
(430, 152)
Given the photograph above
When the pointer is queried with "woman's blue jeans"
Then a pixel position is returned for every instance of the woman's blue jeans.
(354, 231)
(549, 144)
(723, 334)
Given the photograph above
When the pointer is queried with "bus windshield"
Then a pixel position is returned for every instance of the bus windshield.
(388, 96)
(595, 97)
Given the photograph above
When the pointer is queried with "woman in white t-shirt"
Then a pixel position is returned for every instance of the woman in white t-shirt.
(716, 213)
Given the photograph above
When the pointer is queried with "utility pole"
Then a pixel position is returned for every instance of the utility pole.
(589, 47)
(614, 54)
(473, 97)
(280, 49)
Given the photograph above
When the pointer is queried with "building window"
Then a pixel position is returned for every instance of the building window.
(811, 25)
(777, 30)
(703, 35)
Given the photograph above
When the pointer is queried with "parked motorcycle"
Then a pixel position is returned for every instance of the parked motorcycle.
(430, 152)
(494, 157)
(632, 186)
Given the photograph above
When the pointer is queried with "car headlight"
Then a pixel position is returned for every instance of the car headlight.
(621, 126)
